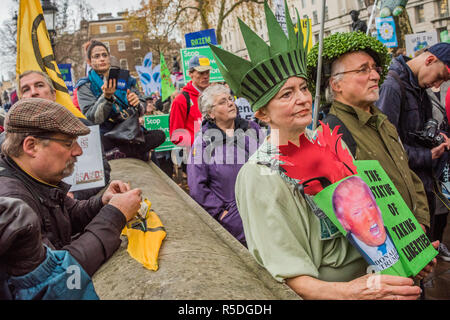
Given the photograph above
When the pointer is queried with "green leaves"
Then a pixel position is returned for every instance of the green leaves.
(339, 43)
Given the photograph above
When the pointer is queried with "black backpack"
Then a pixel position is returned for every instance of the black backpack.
(188, 103)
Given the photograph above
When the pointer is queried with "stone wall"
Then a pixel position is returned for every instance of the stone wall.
(198, 259)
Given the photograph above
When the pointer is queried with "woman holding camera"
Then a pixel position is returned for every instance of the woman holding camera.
(104, 104)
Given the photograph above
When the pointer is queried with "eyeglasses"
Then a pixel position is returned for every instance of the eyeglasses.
(225, 101)
(98, 55)
(68, 143)
(365, 70)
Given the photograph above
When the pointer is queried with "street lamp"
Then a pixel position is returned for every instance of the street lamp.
(50, 10)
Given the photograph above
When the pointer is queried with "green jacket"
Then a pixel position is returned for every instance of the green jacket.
(377, 139)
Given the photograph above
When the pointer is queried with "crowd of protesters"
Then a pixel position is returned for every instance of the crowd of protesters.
(223, 157)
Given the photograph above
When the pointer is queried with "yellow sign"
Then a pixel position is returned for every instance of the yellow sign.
(34, 51)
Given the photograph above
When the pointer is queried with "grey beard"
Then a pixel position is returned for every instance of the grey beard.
(68, 170)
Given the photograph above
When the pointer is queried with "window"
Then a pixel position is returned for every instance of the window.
(121, 45)
(106, 43)
(420, 15)
(443, 8)
(103, 29)
(316, 37)
(313, 2)
(136, 44)
(326, 13)
(303, 4)
(119, 28)
(315, 18)
(124, 64)
(138, 61)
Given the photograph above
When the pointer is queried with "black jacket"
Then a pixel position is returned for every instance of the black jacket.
(410, 116)
(97, 228)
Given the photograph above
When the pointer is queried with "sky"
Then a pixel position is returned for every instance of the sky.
(99, 6)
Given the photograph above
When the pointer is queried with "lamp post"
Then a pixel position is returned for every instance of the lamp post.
(50, 10)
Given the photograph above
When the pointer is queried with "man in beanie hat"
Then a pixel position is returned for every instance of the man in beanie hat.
(39, 150)
(403, 98)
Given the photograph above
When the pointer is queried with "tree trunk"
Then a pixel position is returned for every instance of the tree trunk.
(403, 27)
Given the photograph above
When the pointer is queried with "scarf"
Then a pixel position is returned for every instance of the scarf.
(121, 102)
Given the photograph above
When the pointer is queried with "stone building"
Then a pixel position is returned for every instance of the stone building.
(425, 15)
(122, 42)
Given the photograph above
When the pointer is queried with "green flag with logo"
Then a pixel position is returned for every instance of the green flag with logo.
(167, 87)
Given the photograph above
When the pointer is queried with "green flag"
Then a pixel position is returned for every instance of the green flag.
(167, 87)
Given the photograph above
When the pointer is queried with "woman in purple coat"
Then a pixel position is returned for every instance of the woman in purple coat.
(224, 144)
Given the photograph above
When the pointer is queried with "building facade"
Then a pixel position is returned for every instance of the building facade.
(122, 42)
(425, 16)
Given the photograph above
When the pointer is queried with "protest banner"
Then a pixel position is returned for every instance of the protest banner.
(417, 41)
(394, 243)
(386, 32)
(34, 51)
(200, 38)
(167, 87)
(188, 53)
(160, 122)
(66, 72)
(89, 171)
(244, 109)
(150, 75)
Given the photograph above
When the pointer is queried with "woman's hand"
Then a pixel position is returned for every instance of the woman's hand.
(108, 88)
(133, 99)
(382, 287)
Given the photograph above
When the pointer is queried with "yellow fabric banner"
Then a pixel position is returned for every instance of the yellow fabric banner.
(34, 51)
(145, 237)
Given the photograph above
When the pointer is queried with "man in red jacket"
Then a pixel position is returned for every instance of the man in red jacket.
(186, 121)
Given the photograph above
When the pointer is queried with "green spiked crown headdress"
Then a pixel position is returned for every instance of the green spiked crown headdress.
(260, 79)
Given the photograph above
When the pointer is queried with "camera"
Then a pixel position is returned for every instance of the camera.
(429, 137)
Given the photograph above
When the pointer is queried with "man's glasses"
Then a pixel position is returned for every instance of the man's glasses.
(365, 70)
(69, 143)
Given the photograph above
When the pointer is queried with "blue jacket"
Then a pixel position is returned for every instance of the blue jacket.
(410, 117)
(212, 170)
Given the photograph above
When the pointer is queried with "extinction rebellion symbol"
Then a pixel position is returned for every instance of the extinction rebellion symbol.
(49, 61)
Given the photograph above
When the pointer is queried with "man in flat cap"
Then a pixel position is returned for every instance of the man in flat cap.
(39, 150)
(37, 84)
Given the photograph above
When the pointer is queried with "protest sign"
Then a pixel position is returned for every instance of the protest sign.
(394, 243)
(89, 171)
(160, 122)
(150, 75)
(244, 108)
(417, 41)
(66, 72)
(200, 38)
(386, 32)
(188, 53)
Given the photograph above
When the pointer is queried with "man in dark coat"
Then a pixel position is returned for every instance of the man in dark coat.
(39, 150)
(403, 98)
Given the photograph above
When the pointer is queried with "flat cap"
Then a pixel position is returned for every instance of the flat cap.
(35, 115)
